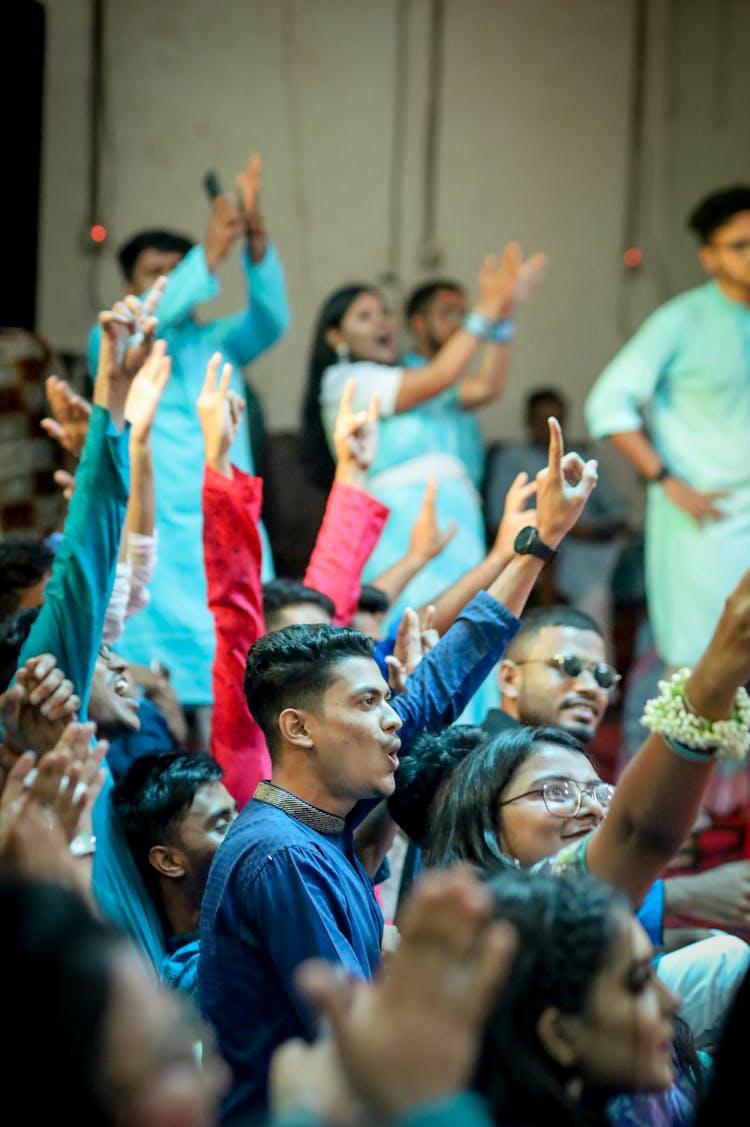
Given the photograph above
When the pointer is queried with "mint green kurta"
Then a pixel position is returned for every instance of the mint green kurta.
(686, 373)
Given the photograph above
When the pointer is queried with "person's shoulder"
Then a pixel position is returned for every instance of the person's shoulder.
(684, 306)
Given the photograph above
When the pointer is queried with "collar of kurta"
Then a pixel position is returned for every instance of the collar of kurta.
(312, 816)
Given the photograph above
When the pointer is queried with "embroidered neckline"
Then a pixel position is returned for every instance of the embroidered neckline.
(312, 816)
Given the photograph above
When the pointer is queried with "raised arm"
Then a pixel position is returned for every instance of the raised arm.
(497, 282)
(232, 555)
(488, 383)
(426, 541)
(266, 317)
(659, 795)
(84, 566)
(449, 675)
(354, 519)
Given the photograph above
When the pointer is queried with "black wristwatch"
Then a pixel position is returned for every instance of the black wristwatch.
(529, 543)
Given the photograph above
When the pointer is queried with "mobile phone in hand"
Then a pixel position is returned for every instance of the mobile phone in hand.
(212, 184)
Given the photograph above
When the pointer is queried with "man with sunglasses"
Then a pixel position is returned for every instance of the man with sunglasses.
(688, 369)
(555, 674)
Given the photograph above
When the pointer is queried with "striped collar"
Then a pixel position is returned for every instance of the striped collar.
(312, 816)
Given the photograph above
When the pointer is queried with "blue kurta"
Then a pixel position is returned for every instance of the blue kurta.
(689, 364)
(176, 627)
(280, 891)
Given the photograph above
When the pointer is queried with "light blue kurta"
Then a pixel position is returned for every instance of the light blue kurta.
(176, 627)
(436, 439)
(688, 368)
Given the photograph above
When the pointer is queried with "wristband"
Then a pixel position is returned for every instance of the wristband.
(663, 472)
(672, 715)
(478, 325)
(502, 332)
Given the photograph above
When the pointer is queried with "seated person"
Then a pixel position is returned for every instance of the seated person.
(175, 811)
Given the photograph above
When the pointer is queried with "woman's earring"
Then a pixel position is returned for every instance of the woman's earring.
(574, 1089)
(342, 352)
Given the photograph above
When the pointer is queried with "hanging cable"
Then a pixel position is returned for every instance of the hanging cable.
(391, 276)
(94, 208)
(429, 252)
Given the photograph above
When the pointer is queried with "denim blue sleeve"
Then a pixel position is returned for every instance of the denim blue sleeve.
(448, 676)
(71, 620)
(651, 913)
(245, 335)
(384, 648)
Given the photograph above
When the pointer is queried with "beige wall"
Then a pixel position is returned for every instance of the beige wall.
(533, 146)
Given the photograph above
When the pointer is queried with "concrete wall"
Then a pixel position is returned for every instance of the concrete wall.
(533, 145)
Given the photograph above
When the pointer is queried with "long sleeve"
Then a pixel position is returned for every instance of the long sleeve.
(248, 333)
(232, 554)
(352, 524)
(71, 620)
(448, 676)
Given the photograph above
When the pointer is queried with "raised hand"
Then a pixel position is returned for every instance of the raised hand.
(407, 651)
(531, 275)
(145, 392)
(355, 437)
(427, 538)
(515, 516)
(226, 224)
(725, 665)
(70, 415)
(66, 481)
(562, 489)
(127, 338)
(505, 282)
(220, 410)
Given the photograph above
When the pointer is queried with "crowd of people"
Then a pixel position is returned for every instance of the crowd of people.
(333, 850)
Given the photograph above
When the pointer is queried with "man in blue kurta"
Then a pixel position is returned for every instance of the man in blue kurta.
(689, 366)
(286, 884)
(176, 627)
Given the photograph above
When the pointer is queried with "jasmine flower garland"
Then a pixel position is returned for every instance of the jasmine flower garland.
(672, 716)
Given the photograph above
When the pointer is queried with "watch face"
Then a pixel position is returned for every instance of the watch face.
(526, 539)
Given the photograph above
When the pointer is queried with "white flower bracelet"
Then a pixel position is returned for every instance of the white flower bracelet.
(672, 716)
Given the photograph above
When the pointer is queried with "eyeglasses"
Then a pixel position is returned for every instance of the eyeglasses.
(563, 797)
(741, 246)
(606, 676)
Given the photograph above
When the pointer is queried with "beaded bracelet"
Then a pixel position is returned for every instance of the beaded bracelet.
(672, 716)
(502, 332)
(478, 325)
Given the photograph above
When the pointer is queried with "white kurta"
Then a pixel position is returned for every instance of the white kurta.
(686, 373)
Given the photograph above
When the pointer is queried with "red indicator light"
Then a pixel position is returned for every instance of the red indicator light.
(98, 233)
(632, 257)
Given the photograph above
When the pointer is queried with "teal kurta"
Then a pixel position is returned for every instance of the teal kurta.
(687, 373)
(176, 627)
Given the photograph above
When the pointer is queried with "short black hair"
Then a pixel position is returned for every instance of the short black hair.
(156, 239)
(24, 560)
(372, 600)
(155, 792)
(14, 631)
(431, 759)
(559, 614)
(718, 208)
(281, 593)
(421, 298)
(534, 398)
(293, 667)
